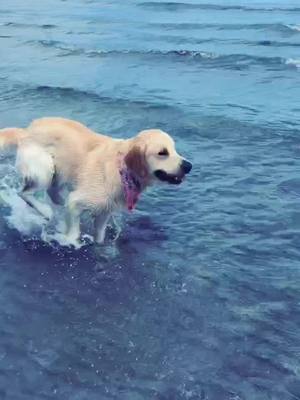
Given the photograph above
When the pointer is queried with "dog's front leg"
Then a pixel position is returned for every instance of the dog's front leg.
(101, 221)
(73, 212)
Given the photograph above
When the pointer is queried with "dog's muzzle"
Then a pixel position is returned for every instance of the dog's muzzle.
(174, 179)
(186, 166)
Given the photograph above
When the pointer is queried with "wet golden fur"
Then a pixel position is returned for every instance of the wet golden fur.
(53, 152)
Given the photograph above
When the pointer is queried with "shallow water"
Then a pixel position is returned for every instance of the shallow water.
(199, 299)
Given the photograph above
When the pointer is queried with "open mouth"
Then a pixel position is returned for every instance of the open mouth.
(169, 178)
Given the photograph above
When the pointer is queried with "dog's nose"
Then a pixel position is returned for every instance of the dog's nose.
(186, 166)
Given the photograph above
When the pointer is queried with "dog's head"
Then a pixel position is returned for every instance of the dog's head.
(153, 157)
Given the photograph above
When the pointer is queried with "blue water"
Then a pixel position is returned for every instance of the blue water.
(200, 297)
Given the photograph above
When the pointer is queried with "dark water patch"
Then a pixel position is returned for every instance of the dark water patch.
(186, 26)
(225, 129)
(290, 187)
(273, 43)
(184, 40)
(29, 25)
(242, 107)
(48, 26)
(180, 6)
(67, 92)
(47, 43)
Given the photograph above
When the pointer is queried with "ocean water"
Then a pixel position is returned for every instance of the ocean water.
(199, 299)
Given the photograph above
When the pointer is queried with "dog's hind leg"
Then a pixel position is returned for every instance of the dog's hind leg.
(117, 228)
(37, 169)
(55, 191)
(28, 195)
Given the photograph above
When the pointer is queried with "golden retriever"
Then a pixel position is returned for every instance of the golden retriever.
(103, 174)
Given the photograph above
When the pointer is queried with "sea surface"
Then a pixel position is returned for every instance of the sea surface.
(199, 298)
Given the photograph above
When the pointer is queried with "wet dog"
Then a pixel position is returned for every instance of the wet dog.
(104, 174)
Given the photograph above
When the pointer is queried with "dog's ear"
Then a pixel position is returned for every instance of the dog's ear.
(135, 160)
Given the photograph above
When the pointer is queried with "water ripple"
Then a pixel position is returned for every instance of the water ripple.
(181, 6)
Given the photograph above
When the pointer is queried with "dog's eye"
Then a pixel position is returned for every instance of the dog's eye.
(163, 152)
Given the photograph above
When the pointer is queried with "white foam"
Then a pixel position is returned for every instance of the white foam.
(21, 217)
(294, 27)
(293, 62)
(28, 222)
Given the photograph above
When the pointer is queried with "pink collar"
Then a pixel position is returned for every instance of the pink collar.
(131, 185)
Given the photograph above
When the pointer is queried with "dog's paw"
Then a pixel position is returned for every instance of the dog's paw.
(63, 240)
(69, 240)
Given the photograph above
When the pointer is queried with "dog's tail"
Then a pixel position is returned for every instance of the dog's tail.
(11, 137)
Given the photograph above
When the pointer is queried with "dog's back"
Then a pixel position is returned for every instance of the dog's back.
(67, 141)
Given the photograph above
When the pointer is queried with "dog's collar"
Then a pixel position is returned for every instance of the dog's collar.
(131, 185)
